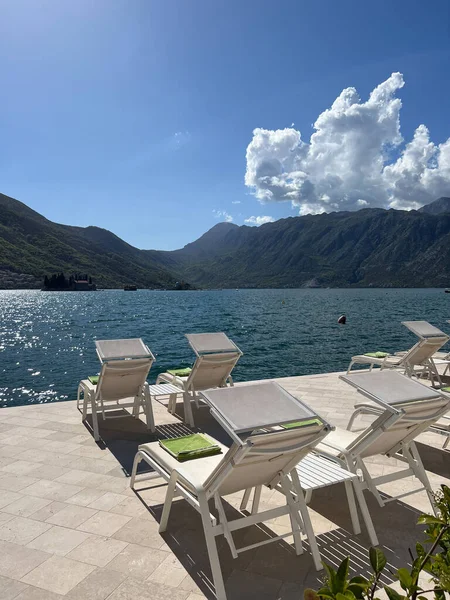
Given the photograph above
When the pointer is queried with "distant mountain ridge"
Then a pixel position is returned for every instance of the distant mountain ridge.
(439, 206)
(370, 247)
(31, 246)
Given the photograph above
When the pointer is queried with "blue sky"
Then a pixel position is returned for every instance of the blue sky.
(135, 115)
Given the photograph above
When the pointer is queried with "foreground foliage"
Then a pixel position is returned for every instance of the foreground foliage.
(433, 560)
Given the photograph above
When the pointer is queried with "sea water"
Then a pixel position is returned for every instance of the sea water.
(47, 338)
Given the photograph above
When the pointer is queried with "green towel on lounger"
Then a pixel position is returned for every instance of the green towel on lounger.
(180, 372)
(377, 354)
(297, 423)
(93, 379)
(191, 446)
(446, 389)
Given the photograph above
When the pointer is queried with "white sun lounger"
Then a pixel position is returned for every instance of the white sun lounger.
(217, 356)
(257, 457)
(416, 362)
(122, 382)
(406, 408)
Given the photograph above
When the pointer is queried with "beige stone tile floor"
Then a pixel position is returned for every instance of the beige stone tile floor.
(71, 527)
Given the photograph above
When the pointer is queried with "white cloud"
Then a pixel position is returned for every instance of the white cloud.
(223, 216)
(347, 162)
(179, 139)
(236, 202)
(259, 220)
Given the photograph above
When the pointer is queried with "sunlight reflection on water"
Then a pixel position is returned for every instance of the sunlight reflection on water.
(46, 338)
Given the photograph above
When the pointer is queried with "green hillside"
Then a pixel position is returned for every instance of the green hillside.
(32, 246)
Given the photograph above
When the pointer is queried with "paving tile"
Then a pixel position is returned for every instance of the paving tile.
(85, 497)
(144, 533)
(25, 506)
(58, 574)
(44, 513)
(107, 501)
(97, 586)
(11, 588)
(104, 523)
(71, 516)
(15, 483)
(16, 561)
(97, 550)
(6, 497)
(34, 593)
(53, 490)
(21, 530)
(59, 540)
(18, 467)
(5, 517)
(132, 507)
(75, 476)
(168, 574)
(40, 455)
(241, 584)
(91, 464)
(136, 561)
(132, 589)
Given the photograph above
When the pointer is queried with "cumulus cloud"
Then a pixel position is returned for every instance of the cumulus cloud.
(259, 220)
(236, 202)
(223, 216)
(347, 163)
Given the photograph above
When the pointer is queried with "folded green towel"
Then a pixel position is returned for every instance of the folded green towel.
(377, 354)
(191, 446)
(93, 379)
(302, 423)
(180, 372)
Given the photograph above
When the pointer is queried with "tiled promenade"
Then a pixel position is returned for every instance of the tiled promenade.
(71, 527)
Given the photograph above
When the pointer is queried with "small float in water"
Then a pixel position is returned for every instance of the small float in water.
(342, 320)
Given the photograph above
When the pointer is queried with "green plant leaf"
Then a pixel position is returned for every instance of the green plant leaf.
(342, 575)
(393, 594)
(429, 520)
(377, 560)
(405, 578)
(347, 595)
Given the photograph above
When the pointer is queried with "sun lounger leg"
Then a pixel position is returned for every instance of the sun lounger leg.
(149, 410)
(94, 419)
(293, 516)
(365, 513)
(352, 507)
(137, 460)
(256, 499)
(245, 499)
(415, 462)
(212, 548)
(305, 521)
(168, 501)
(368, 481)
(446, 442)
(188, 409)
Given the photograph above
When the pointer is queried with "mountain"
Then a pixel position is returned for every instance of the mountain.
(439, 206)
(31, 246)
(370, 247)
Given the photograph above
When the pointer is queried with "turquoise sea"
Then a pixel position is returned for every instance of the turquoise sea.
(47, 338)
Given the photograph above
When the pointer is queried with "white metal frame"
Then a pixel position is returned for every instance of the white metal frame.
(404, 451)
(92, 395)
(406, 362)
(315, 472)
(188, 384)
(179, 483)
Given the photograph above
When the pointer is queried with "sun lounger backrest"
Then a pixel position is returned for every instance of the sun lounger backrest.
(424, 350)
(122, 378)
(120, 349)
(263, 459)
(212, 370)
(393, 427)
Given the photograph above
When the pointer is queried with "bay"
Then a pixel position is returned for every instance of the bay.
(47, 338)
